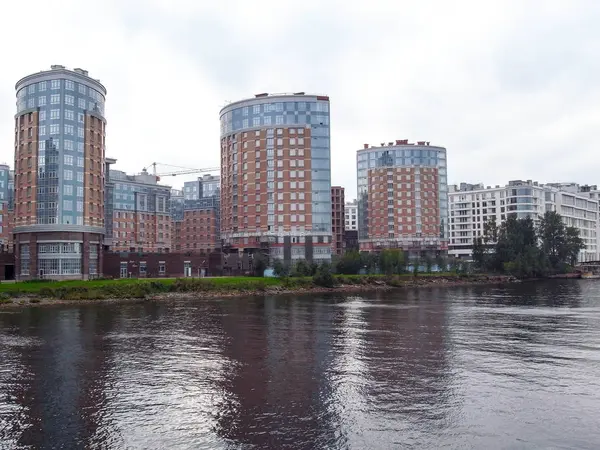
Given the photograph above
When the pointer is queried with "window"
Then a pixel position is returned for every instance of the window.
(80, 147)
(69, 129)
(267, 120)
(68, 174)
(42, 130)
(68, 189)
(79, 191)
(80, 117)
(55, 99)
(81, 103)
(69, 85)
(54, 128)
(80, 132)
(82, 89)
(68, 160)
(41, 86)
(68, 144)
(67, 205)
(42, 115)
(69, 114)
(42, 101)
(69, 100)
(161, 268)
(79, 161)
(143, 267)
(256, 109)
(55, 84)
(55, 114)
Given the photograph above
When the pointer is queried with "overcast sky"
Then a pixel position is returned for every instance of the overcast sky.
(510, 88)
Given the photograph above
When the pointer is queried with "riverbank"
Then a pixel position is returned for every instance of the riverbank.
(128, 290)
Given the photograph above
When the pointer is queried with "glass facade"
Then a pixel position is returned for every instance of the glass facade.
(293, 111)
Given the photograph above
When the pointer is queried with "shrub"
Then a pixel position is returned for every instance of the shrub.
(5, 301)
(324, 277)
(34, 300)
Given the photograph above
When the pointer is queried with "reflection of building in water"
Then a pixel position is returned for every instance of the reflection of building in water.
(280, 377)
(405, 356)
(61, 389)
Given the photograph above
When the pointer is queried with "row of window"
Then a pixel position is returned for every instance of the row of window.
(55, 85)
(54, 129)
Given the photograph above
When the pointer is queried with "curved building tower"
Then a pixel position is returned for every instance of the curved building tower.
(59, 175)
(276, 176)
(403, 198)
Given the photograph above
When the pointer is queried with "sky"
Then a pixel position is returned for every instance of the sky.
(510, 88)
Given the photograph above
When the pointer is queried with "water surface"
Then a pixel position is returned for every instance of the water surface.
(513, 367)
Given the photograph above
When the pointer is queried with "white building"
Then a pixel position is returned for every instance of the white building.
(471, 205)
(351, 213)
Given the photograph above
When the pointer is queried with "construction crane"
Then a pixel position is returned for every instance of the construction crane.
(179, 171)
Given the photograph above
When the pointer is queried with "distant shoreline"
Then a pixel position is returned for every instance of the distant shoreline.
(346, 285)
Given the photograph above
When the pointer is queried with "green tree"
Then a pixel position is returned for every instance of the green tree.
(323, 276)
(574, 244)
(479, 254)
(553, 238)
(349, 264)
(301, 269)
(280, 269)
(428, 264)
(391, 261)
(259, 264)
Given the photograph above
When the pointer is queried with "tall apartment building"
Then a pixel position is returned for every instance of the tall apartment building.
(59, 174)
(141, 219)
(337, 219)
(472, 205)
(403, 197)
(351, 216)
(276, 176)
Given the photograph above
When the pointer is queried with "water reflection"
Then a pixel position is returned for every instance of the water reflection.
(465, 367)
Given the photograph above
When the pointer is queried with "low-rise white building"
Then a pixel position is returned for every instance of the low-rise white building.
(471, 205)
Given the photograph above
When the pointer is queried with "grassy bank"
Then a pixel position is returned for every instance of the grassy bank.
(36, 291)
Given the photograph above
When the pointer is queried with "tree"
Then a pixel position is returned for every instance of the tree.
(349, 264)
(323, 276)
(553, 238)
(259, 264)
(301, 269)
(479, 254)
(573, 245)
(280, 269)
(391, 261)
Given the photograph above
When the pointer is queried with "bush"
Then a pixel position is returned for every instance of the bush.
(5, 301)
(324, 277)
(34, 300)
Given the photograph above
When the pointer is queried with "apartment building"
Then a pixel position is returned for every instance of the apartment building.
(141, 219)
(195, 216)
(60, 133)
(403, 202)
(337, 219)
(351, 216)
(472, 205)
(276, 176)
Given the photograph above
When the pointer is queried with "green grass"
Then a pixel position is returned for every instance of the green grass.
(141, 288)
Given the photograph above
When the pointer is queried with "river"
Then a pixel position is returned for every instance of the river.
(510, 367)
